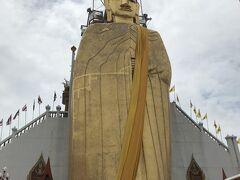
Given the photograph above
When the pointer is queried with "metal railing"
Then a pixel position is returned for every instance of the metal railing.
(33, 123)
(214, 138)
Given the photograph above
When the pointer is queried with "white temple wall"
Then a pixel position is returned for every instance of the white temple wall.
(188, 140)
(49, 138)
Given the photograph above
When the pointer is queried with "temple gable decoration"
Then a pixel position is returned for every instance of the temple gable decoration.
(194, 171)
(47, 172)
(41, 170)
(38, 169)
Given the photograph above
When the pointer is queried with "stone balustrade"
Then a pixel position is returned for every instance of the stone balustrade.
(43, 117)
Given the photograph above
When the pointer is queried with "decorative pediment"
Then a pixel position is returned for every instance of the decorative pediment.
(224, 174)
(194, 171)
(47, 172)
(38, 169)
(41, 170)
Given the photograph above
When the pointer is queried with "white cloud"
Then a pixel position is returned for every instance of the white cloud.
(202, 39)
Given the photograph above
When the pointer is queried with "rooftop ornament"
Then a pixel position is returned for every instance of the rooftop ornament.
(144, 19)
(94, 16)
(4, 175)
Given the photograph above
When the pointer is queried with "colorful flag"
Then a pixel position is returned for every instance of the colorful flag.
(9, 120)
(17, 114)
(238, 140)
(205, 117)
(1, 122)
(199, 114)
(24, 108)
(39, 100)
(33, 104)
(55, 96)
(191, 105)
(215, 124)
(218, 129)
(172, 89)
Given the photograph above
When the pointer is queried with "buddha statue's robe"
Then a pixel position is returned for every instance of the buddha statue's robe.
(102, 82)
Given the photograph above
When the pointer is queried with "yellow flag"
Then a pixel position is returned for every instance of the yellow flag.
(199, 114)
(215, 124)
(191, 105)
(195, 111)
(218, 129)
(205, 117)
(172, 89)
(238, 140)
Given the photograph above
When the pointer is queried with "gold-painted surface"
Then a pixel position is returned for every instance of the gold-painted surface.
(133, 132)
(122, 11)
(102, 86)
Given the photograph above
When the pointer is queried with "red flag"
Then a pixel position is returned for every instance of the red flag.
(24, 108)
(39, 100)
(55, 96)
(1, 122)
(9, 120)
(17, 114)
(34, 105)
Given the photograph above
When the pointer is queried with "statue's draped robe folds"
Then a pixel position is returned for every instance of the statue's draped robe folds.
(101, 93)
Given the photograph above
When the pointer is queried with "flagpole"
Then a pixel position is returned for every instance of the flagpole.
(18, 121)
(53, 105)
(196, 117)
(1, 132)
(33, 109)
(179, 104)
(221, 135)
(207, 125)
(190, 112)
(39, 109)
(10, 127)
(25, 118)
(174, 96)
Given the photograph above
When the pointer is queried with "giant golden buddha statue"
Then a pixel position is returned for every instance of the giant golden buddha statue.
(120, 100)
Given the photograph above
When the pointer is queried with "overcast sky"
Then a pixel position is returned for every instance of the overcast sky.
(202, 39)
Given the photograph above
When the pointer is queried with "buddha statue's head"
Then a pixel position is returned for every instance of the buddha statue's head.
(122, 11)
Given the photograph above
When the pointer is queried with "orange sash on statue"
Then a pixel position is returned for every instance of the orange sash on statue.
(132, 139)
